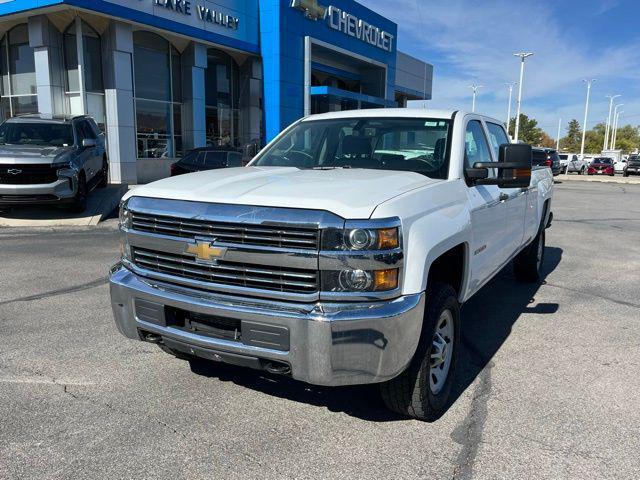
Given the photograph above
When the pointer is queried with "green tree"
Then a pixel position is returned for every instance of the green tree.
(529, 131)
(594, 139)
(573, 140)
(628, 139)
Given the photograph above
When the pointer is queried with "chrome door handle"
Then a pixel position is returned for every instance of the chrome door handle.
(503, 197)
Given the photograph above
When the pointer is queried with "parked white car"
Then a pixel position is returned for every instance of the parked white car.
(340, 255)
(575, 164)
(620, 164)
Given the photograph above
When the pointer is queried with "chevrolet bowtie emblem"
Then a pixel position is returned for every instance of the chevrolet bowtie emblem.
(205, 251)
(310, 8)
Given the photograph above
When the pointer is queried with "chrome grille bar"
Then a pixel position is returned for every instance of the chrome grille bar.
(249, 234)
(228, 273)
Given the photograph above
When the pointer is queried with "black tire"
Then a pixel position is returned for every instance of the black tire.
(527, 265)
(104, 174)
(625, 174)
(79, 203)
(581, 171)
(411, 392)
(175, 353)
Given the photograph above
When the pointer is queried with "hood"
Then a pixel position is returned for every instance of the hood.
(349, 193)
(26, 154)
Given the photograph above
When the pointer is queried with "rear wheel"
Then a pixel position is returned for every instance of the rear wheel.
(527, 265)
(422, 390)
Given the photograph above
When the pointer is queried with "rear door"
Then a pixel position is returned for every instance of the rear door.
(514, 199)
(488, 211)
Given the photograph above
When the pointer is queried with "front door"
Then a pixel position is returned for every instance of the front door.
(514, 199)
(488, 211)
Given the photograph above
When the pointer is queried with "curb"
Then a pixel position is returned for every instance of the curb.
(584, 178)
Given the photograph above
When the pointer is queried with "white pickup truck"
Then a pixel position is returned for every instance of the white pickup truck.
(340, 255)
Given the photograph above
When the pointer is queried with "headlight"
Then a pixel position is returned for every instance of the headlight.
(61, 165)
(125, 216)
(356, 280)
(361, 239)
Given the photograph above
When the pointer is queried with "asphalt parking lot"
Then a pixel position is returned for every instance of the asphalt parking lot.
(549, 388)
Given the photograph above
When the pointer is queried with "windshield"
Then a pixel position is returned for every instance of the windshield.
(602, 160)
(406, 144)
(31, 133)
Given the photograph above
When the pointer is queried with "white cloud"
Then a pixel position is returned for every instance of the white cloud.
(470, 41)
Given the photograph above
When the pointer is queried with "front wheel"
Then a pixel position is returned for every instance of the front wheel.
(422, 390)
(80, 199)
(104, 174)
(527, 265)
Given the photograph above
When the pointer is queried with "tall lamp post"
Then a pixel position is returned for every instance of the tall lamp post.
(558, 137)
(586, 113)
(615, 130)
(475, 89)
(608, 127)
(510, 85)
(522, 56)
(612, 128)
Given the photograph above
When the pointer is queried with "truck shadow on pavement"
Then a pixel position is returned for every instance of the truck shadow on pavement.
(487, 320)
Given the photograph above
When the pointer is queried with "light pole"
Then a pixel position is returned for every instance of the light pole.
(612, 127)
(608, 127)
(510, 85)
(615, 130)
(475, 88)
(586, 112)
(522, 56)
(558, 137)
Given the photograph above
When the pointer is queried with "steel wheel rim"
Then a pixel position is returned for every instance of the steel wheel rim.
(441, 352)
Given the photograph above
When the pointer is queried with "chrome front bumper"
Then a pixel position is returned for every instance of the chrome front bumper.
(59, 190)
(328, 343)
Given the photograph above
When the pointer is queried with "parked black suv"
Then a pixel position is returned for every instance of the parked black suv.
(633, 166)
(206, 158)
(547, 157)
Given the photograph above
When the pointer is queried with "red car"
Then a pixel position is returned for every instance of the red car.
(601, 166)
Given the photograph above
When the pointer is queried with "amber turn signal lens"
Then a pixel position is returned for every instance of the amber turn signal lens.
(385, 279)
(388, 238)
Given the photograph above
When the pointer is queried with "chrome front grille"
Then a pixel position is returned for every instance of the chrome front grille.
(236, 233)
(221, 272)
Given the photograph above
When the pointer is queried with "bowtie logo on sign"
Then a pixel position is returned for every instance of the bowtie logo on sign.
(310, 8)
(346, 23)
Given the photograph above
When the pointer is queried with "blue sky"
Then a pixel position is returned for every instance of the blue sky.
(473, 42)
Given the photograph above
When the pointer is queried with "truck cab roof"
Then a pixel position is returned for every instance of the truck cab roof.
(397, 113)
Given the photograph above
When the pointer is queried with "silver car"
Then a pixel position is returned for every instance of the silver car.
(51, 160)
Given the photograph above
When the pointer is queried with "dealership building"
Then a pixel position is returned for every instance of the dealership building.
(163, 76)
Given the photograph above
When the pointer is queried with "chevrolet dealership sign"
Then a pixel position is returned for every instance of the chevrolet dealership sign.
(346, 23)
(205, 14)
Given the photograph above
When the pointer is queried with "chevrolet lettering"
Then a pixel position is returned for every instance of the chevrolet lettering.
(341, 254)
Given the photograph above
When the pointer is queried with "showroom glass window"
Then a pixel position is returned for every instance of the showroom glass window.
(221, 98)
(158, 96)
(17, 67)
(93, 90)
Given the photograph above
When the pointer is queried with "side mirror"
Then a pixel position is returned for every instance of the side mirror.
(514, 167)
(88, 142)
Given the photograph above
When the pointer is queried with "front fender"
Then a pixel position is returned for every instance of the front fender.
(434, 220)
